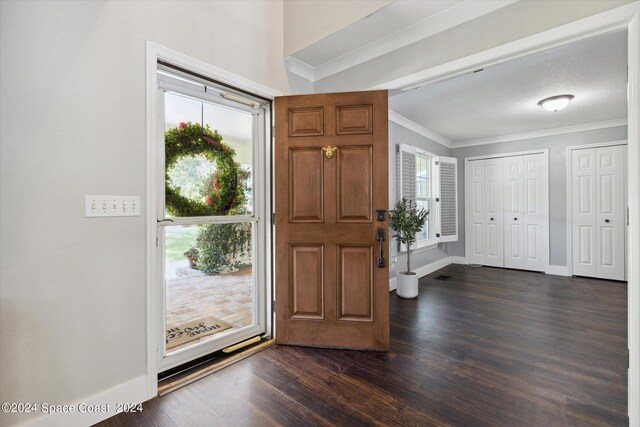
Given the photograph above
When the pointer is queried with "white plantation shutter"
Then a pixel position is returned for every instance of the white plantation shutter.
(406, 172)
(446, 187)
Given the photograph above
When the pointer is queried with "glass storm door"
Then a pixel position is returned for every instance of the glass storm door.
(211, 235)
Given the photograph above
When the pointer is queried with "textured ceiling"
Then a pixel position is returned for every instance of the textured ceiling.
(502, 99)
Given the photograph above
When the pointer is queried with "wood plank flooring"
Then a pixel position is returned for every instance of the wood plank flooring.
(487, 347)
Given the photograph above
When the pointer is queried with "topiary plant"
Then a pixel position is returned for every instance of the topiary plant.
(407, 220)
(220, 245)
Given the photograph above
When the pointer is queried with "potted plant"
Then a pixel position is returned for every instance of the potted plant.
(407, 220)
(192, 257)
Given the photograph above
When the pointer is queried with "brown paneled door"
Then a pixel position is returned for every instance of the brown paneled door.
(331, 153)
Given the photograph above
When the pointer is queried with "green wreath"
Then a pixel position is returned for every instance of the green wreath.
(221, 193)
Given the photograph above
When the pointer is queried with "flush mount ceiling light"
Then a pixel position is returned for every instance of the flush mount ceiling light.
(555, 103)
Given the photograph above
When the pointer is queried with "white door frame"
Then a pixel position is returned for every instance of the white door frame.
(155, 52)
(569, 179)
(623, 17)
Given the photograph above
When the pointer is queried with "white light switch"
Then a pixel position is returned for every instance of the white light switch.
(112, 206)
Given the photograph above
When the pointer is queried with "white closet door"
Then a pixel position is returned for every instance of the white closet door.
(583, 208)
(536, 212)
(494, 199)
(609, 209)
(513, 212)
(475, 213)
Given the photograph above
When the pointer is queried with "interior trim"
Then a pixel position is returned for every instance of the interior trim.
(419, 129)
(541, 133)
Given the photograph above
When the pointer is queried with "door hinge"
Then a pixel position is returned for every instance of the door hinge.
(156, 241)
(437, 235)
(437, 199)
(273, 131)
(627, 358)
(273, 219)
(627, 216)
(273, 306)
(437, 162)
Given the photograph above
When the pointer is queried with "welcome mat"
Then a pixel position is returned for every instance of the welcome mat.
(193, 330)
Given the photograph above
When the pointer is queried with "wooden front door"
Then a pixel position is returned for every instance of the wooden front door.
(331, 153)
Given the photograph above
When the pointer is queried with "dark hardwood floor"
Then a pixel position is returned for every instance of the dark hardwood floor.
(485, 347)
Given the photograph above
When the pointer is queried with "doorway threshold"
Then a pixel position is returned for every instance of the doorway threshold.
(181, 379)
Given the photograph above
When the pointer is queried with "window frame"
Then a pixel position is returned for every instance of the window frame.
(431, 241)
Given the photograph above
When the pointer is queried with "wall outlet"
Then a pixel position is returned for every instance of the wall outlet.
(96, 206)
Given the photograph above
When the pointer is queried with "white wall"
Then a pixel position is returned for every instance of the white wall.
(421, 257)
(309, 21)
(557, 145)
(73, 123)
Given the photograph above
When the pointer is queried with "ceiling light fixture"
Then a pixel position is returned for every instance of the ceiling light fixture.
(555, 103)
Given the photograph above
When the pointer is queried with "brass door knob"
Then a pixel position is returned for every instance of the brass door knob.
(329, 150)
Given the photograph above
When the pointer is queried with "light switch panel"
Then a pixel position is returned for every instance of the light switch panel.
(96, 206)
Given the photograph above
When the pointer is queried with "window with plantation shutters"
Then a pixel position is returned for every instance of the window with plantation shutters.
(406, 172)
(430, 182)
(446, 198)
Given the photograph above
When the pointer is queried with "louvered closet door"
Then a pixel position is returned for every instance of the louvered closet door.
(536, 212)
(514, 212)
(475, 212)
(610, 212)
(494, 199)
(583, 217)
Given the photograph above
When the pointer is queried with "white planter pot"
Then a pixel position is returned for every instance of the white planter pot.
(407, 285)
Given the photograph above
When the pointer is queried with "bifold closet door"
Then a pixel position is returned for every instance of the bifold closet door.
(536, 211)
(513, 212)
(583, 209)
(475, 212)
(598, 212)
(494, 199)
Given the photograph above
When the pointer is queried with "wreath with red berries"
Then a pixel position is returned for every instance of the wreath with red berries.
(222, 191)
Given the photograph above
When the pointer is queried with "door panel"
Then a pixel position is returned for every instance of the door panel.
(306, 121)
(494, 199)
(329, 290)
(354, 119)
(536, 211)
(306, 276)
(475, 216)
(306, 185)
(355, 185)
(514, 212)
(610, 212)
(355, 283)
(583, 195)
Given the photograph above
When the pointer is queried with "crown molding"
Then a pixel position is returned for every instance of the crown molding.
(541, 133)
(421, 130)
(449, 18)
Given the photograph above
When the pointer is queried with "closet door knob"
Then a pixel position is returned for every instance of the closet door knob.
(606, 220)
(491, 219)
(515, 219)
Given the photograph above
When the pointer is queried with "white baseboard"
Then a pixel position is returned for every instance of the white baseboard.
(133, 392)
(458, 260)
(558, 270)
(424, 270)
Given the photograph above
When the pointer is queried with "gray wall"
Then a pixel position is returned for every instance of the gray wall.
(557, 180)
(401, 135)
